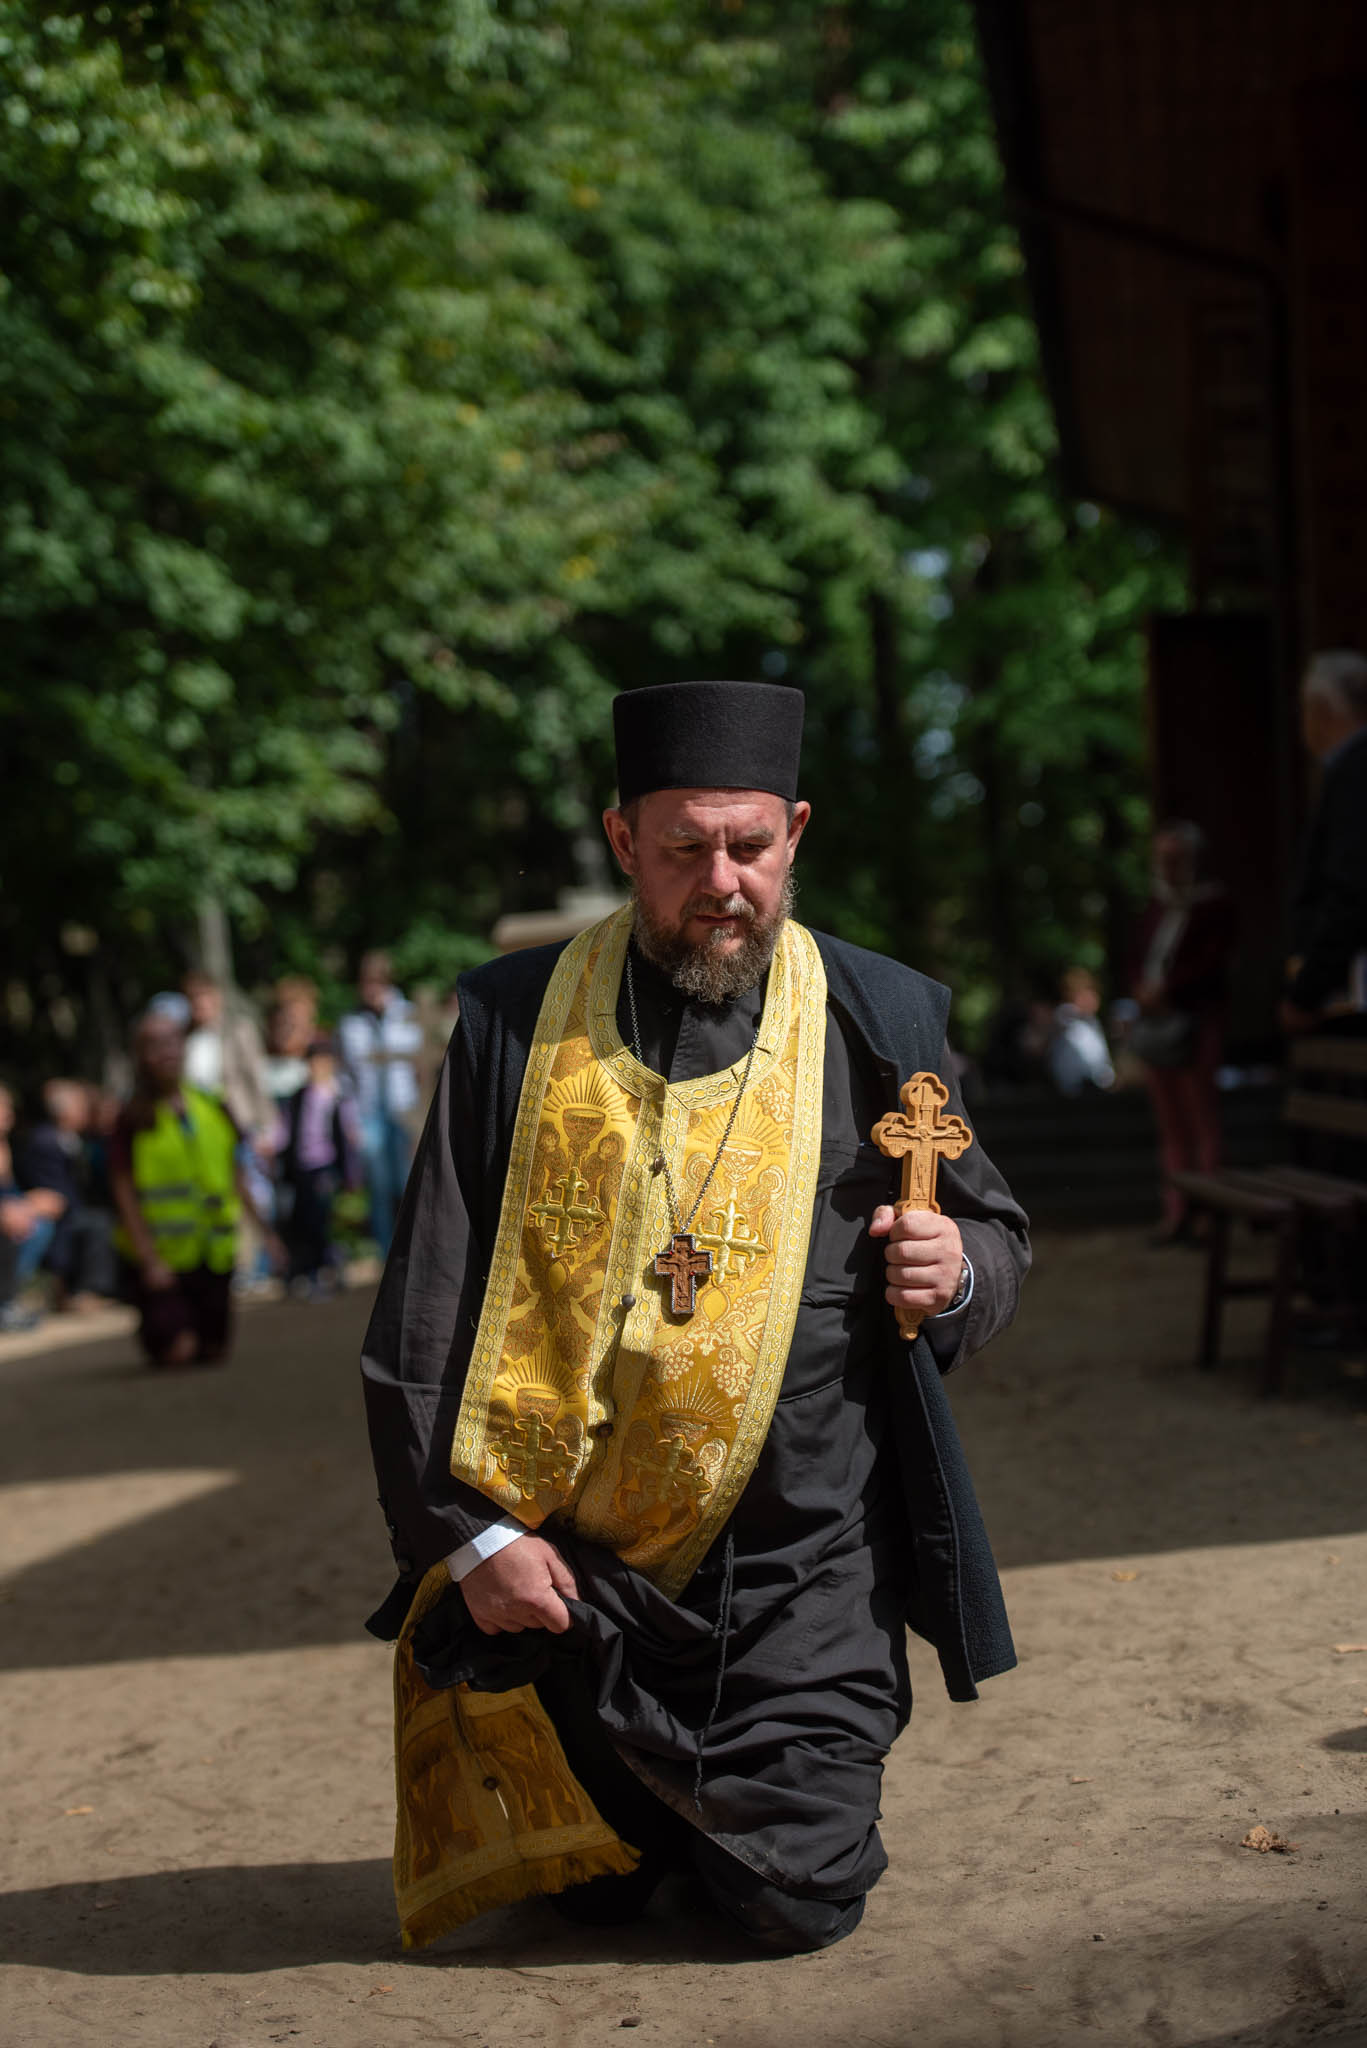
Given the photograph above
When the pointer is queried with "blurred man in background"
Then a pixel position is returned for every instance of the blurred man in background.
(54, 1156)
(1328, 984)
(179, 1189)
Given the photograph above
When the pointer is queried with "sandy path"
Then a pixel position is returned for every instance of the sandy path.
(195, 1842)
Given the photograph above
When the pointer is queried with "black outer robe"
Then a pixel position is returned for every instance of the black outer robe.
(828, 1554)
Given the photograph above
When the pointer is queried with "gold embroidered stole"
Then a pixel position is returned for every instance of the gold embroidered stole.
(588, 1402)
(489, 1811)
(585, 1398)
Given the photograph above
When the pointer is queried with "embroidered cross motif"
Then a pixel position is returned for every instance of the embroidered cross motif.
(731, 1240)
(568, 1217)
(683, 1265)
(532, 1455)
(672, 1470)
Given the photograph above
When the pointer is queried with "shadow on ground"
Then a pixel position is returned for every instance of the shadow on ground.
(1089, 1431)
(240, 1920)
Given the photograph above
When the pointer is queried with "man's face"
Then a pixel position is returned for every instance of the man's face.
(372, 989)
(206, 1005)
(709, 866)
(160, 1051)
(1172, 859)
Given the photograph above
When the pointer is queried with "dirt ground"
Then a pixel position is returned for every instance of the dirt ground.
(197, 1733)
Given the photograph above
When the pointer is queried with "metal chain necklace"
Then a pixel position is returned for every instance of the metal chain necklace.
(684, 1261)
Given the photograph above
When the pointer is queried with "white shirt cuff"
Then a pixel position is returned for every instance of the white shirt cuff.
(959, 1306)
(487, 1544)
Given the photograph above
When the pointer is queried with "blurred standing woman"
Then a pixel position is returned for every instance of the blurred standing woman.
(1183, 948)
(178, 1187)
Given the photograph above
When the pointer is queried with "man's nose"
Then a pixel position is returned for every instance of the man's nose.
(722, 876)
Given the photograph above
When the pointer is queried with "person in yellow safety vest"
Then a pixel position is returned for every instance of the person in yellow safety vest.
(179, 1190)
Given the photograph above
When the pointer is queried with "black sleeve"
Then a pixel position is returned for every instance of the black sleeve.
(995, 1230)
(421, 1332)
(1334, 917)
(41, 1163)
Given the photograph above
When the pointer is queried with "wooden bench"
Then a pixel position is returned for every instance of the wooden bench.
(1299, 1205)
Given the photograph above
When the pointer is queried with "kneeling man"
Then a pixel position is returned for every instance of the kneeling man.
(665, 1480)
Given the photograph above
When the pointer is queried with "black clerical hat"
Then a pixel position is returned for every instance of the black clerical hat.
(708, 736)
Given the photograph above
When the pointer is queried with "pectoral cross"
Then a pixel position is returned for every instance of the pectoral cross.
(683, 1265)
(920, 1138)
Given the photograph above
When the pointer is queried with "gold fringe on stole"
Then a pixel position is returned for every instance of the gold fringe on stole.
(489, 1811)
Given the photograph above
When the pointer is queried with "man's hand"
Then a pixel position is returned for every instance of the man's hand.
(925, 1258)
(520, 1587)
(157, 1275)
(16, 1220)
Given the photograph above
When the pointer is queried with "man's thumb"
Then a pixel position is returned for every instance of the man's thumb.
(882, 1221)
(562, 1578)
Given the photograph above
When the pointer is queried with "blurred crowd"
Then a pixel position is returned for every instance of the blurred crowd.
(1166, 1030)
(248, 1151)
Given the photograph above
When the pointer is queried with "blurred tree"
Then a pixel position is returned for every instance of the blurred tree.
(382, 387)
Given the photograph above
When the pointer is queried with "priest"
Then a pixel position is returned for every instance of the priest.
(666, 1473)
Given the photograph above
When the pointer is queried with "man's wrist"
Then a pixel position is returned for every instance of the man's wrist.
(481, 1548)
(963, 1294)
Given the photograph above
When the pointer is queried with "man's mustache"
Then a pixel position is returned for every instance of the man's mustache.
(719, 906)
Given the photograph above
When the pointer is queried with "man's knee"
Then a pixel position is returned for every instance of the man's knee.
(773, 1918)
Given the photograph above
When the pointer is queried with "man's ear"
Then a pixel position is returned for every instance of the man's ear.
(620, 839)
(801, 813)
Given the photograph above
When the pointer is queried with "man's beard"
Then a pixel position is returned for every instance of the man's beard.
(704, 970)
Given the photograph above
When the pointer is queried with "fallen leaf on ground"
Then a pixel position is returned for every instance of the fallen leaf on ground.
(1124, 1577)
(1309, 1439)
(76, 1809)
(1088, 1781)
(1340, 1650)
(1267, 1842)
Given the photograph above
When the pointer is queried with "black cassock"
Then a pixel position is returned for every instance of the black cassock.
(760, 1704)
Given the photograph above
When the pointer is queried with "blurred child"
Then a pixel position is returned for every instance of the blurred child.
(1079, 1056)
(319, 1156)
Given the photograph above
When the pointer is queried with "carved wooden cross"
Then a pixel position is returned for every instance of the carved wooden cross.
(683, 1265)
(920, 1138)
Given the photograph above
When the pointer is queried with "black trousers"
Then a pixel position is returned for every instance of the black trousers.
(307, 1230)
(773, 1918)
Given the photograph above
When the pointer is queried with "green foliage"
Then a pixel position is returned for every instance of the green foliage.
(383, 387)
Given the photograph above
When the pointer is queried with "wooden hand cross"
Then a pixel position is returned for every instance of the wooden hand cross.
(918, 1139)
